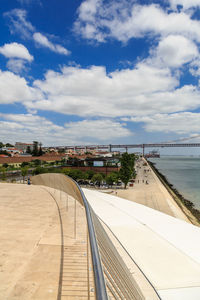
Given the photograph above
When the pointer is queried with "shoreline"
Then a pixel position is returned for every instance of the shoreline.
(185, 205)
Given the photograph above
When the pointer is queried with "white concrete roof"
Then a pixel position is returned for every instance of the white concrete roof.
(166, 249)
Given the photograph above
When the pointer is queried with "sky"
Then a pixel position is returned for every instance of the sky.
(99, 72)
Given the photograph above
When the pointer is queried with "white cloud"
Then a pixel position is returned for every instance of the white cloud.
(102, 130)
(24, 127)
(99, 20)
(43, 41)
(19, 24)
(180, 123)
(130, 92)
(14, 88)
(184, 3)
(175, 51)
(16, 65)
(16, 50)
(91, 92)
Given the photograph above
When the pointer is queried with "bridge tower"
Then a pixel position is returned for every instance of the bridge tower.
(110, 148)
(143, 146)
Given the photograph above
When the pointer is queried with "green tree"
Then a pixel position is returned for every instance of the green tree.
(97, 178)
(9, 145)
(24, 172)
(28, 149)
(127, 168)
(36, 162)
(40, 152)
(5, 165)
(63, 161)
(75, 174)
(1, 145)
(5, 152)
(3, 173)
(90, 174)
(111, 178)
(35, 148)
(39, 170)
(24, 164)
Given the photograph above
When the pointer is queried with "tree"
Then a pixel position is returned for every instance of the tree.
(97, 178)
(3, 173)
(75, 174)
(127, 167)
(40, 152)
(111, 178)
(1, 145)
(35, 148)
(24, 172)
(39, 170)
(90, 174)
(63, 161)
(5, 165)
(5, 152)
(24, 164)
(9, 145)
(36, 162)
(28, 149)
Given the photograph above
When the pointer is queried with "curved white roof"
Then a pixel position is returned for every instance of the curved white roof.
(166, 249)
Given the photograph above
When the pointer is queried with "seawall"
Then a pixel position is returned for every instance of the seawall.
(185, 205)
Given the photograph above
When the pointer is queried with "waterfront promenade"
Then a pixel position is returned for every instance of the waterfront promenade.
(152, 194)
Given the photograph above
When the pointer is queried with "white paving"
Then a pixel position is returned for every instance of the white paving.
(165, 248)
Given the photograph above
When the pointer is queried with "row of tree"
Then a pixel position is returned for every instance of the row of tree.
(5, 145)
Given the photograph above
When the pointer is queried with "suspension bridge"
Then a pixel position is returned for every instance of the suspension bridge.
(111, 147)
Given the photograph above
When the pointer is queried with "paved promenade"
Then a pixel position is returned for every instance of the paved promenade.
(149, 191)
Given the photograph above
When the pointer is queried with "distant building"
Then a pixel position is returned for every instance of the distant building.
(23, 146)
(103, 154)
(11, 150)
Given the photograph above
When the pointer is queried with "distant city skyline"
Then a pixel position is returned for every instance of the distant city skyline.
(99, 72)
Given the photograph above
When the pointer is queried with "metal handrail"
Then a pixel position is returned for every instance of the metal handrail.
(100, 286)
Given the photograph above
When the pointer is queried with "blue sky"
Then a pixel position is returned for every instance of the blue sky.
(99, 72)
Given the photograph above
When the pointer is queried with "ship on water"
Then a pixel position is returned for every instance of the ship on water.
(153, 153)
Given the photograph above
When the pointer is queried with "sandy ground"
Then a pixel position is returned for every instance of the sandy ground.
(149, 191)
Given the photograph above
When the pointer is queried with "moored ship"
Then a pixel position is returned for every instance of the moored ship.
(153, 153)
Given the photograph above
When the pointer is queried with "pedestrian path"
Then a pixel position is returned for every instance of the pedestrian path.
(149, 191)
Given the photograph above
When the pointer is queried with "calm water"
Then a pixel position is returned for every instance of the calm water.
(184, 173)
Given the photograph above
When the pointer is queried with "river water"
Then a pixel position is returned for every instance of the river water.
(184, 173)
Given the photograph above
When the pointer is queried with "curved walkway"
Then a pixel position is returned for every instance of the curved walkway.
(44, 252)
